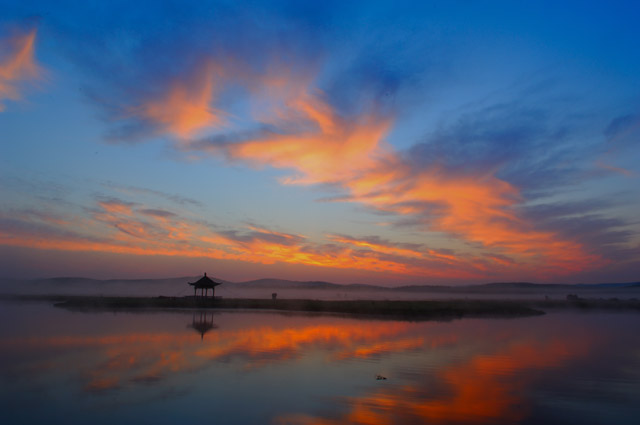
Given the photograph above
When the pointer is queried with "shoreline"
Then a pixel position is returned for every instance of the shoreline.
(413, 310)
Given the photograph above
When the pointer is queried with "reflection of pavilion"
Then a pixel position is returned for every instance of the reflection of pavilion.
(202, 322)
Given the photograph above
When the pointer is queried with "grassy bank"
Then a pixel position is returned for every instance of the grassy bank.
(423, 309)
(397, 309)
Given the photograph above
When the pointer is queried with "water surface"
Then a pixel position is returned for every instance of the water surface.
(264, 367)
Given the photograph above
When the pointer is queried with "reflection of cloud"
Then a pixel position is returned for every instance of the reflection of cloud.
(149, 357)
(17, 64)
(265, 344)
(385, 347)
(487, 388)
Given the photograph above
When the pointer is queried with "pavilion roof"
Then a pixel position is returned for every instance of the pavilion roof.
(205, 282)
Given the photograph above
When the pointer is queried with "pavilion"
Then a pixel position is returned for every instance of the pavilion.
(204, 284)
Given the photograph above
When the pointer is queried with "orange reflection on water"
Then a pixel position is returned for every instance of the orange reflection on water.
(485, 388)
(115, 360)
(383, 347)
(266, 344)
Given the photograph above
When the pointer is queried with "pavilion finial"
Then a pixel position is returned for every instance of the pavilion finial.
(205, 273)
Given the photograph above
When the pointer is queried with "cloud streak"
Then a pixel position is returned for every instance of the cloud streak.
(117, 226)
(185, 109)
(17, 65)
(379, 122)
(350, 153)
(304, 133)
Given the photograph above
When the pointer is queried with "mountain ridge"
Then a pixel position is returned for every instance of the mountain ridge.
(176, 286)
(320, 284)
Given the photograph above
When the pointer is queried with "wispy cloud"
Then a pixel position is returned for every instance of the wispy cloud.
(135, 191)
(324, 113)
(473, 205)
(186, 107)
(17, 64)
(301, 131)
(118, 226)
(622, 136)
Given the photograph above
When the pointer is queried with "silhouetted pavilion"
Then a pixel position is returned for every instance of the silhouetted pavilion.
(204, 284)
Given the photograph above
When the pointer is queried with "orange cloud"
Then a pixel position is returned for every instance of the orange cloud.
(323, 147)
(478, 209)
(378, 246)
(186, 108)
(129, 228)
(17, 64)
(350, 153)
(114, 206)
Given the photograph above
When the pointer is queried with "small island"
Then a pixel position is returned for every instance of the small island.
(394, 309)
(461, 302)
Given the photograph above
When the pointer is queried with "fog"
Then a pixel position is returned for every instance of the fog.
(178, 287)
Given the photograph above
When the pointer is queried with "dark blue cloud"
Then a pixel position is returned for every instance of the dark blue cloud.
(589, 223)
(529, 140)
(259, 235)
(623, 132)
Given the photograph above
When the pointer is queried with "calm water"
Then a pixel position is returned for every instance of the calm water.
(269, 368)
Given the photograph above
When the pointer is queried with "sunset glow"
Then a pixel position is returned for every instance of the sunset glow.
(268, 140)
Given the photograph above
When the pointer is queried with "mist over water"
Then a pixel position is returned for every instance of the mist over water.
(265, 288)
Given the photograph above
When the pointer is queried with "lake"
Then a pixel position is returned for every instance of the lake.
(244, 367)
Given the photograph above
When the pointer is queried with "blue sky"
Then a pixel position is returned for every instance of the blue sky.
(380, 142)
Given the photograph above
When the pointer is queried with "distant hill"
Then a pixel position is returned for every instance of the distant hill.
(515, 286)
(281, 283)
(177, 286)
(88, 286)
(313, 284)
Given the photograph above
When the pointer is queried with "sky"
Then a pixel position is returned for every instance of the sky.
(374, 142)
